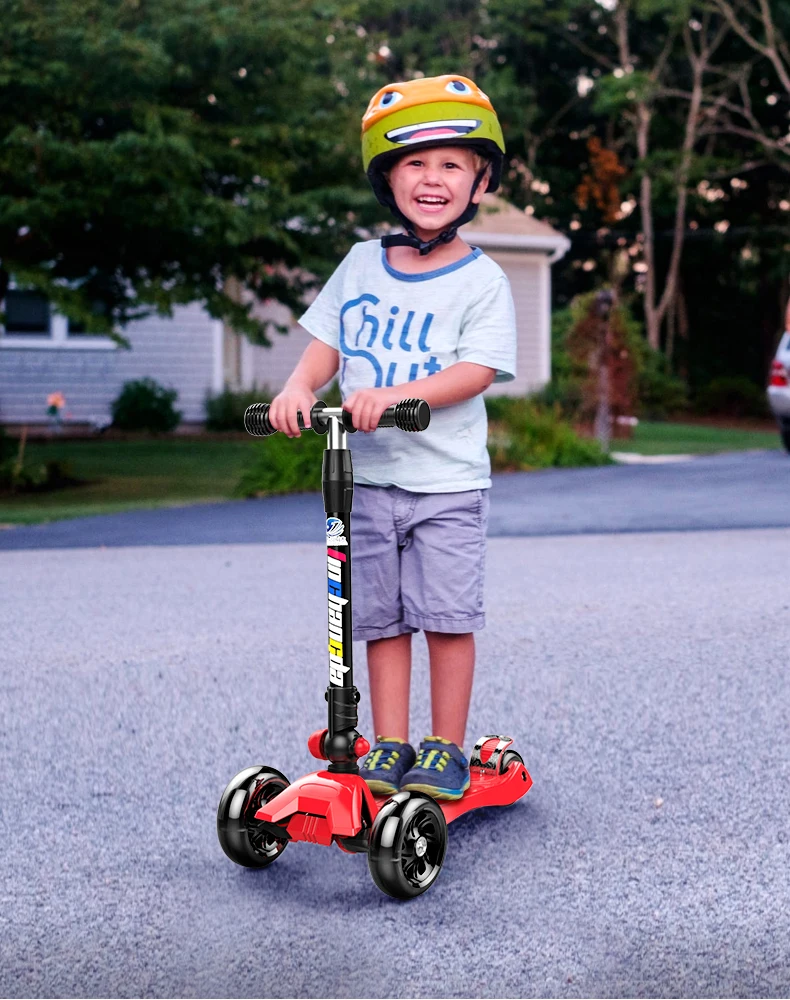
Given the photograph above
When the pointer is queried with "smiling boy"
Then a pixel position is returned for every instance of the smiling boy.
(418, 306)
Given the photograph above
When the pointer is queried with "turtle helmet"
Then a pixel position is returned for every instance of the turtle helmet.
(445, 110)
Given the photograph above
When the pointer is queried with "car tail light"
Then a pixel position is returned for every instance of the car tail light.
(778, 374)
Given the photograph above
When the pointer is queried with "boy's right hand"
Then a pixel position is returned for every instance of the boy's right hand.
(283, 409)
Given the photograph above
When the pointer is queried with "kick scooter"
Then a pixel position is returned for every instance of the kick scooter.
(405, 835)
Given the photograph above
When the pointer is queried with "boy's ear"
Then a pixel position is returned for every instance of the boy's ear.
(477, 197)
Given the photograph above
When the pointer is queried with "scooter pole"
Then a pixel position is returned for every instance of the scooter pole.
(340, 745)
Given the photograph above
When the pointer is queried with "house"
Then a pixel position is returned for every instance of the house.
(41, 352)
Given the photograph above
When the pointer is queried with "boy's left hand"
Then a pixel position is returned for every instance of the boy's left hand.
(367, 405)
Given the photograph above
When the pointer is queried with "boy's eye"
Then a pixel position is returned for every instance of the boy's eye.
(458, 87)
(391, 97)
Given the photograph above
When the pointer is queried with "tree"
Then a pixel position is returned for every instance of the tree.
(160, 153)
(764, 31)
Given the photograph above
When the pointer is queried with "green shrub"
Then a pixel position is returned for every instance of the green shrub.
(8, 447)
(660, 394)
(524, 435)
(732, 396)
(283, 465)
(19, 477)
(144, 405)
(225, 412)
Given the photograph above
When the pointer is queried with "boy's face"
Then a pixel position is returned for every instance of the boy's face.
(431, 187)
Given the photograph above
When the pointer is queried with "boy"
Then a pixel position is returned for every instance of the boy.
(417, 306)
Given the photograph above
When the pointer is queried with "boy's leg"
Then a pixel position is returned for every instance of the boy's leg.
(389, 668)
(452, 671)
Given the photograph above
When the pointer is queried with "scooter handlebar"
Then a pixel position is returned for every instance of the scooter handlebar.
(409, 415)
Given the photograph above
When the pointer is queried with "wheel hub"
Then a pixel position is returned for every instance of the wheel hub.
(420, 846)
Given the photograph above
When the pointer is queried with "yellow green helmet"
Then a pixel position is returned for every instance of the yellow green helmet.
(445, 110)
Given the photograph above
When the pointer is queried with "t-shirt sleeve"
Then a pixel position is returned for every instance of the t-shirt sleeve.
(488, 330)
(322, 318)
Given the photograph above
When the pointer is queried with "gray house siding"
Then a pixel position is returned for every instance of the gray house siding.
(183, 353)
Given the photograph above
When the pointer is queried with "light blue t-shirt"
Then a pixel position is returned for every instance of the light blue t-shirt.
(389, 328)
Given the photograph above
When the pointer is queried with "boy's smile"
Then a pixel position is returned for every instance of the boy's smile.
(432, 187)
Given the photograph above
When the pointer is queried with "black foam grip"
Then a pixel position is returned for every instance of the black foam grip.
(412, 414)
(256, 420)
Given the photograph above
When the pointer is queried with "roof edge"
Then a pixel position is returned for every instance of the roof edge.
(557, 245)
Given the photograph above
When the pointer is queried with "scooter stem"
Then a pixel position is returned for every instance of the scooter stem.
(341, 694)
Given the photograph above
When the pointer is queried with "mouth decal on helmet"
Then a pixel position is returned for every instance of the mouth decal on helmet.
(432, 130)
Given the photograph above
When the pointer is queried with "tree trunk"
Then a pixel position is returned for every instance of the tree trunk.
(603, 412)
(652, 321)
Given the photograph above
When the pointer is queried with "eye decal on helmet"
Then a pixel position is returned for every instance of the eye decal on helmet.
(458, 87)
(389, 98)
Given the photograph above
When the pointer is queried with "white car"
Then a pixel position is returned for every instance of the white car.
(779, 388)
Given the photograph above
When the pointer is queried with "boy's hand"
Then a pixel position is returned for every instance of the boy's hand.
(367, 405)
(282, 412)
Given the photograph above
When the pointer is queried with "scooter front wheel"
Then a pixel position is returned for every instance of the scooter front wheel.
(407, 845)
(241, 836)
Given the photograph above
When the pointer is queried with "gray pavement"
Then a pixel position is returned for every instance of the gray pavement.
(643, 675)
(738, 490)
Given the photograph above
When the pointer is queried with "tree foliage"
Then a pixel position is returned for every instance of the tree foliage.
(150, 152)
(156, 153)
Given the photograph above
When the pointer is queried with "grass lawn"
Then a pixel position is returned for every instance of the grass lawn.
(133, 474)
(125, 475)
(696, 439)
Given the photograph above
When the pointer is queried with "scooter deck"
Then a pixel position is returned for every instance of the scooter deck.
(486, 788)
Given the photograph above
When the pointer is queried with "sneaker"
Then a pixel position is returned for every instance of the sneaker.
(385, 765)
(441, 770)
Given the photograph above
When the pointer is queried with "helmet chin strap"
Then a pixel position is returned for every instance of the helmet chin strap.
(410, 239)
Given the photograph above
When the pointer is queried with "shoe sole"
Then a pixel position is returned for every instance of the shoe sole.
(445, 794)
(381, 787)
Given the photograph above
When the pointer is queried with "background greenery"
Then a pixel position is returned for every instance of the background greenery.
(181, 151)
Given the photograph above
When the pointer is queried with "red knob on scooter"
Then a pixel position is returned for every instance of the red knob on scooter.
(361, 746)
(315, 743)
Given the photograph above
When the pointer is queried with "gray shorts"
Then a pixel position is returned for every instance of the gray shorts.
(417, 561)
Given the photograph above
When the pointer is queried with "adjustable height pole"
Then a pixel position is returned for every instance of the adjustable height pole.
(341, 695)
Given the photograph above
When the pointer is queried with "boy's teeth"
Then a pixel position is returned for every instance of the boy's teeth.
(433, 201)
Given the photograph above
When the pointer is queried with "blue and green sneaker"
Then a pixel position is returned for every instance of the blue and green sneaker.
(385, 765)
(441, 770)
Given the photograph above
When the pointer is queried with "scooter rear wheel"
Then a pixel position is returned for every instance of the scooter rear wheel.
(507, 759)
(407, 845)
(241, 837)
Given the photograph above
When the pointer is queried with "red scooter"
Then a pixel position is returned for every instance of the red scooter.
(405, 835)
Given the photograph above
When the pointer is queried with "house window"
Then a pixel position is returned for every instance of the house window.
(31, 322)
(26, 313)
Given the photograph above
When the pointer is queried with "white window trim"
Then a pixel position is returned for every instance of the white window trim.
(57, 339)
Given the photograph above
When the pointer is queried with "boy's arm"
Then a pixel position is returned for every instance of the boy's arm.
(460, 381)
(315, 368)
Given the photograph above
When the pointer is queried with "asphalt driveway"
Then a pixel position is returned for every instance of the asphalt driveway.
(643, 674)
